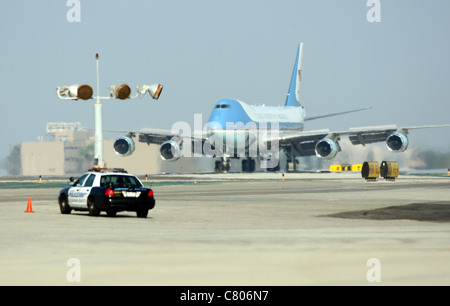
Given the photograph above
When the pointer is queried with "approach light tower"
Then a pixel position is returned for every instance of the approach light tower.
(122, 92)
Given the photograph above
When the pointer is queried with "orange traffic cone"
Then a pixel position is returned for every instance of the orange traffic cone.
(29, 207)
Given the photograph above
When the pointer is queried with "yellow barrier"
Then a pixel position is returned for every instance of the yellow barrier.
(339, 168)
(370, 171)
(357, 167)
(389, 170)
(335, 168)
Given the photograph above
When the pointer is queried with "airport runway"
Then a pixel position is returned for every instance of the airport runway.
(238, 229)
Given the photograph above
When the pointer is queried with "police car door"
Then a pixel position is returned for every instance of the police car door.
(85, 190)
(74, 191)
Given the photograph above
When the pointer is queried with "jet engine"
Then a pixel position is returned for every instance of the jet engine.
(327, 148)
(397, 142)
(170, 150)
(124, 146)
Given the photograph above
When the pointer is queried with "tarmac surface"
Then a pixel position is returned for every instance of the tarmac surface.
(236, 229)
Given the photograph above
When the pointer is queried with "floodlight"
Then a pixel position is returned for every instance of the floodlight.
(75, 92)
(154, 90)
(121, 92)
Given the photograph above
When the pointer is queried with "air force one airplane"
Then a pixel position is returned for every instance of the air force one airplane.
(249, 133)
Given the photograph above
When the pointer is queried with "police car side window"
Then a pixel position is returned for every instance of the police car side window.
(89, 181)
(105, 181)
(80, 181)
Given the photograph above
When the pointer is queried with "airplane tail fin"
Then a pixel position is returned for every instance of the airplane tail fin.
(293, 96)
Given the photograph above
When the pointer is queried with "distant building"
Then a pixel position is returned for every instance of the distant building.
(42, 158)
(71, 152)
(60, 156)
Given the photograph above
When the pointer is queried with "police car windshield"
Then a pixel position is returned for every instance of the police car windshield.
(117, 181)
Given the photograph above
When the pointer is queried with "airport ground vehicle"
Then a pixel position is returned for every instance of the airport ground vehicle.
(109, 190)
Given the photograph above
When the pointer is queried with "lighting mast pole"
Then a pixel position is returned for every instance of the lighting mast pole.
(98, 129)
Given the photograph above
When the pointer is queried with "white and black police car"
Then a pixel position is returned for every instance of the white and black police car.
(109, 190)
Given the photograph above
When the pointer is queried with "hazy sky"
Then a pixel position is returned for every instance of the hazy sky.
(205, 50)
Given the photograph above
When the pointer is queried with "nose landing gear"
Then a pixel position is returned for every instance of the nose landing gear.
(222, 165)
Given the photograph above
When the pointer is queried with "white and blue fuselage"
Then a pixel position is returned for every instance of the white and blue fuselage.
(241, 124)
(289, 118)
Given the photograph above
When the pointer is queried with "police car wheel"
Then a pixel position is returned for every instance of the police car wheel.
(142, 213)
(93, 211)
(64, 206)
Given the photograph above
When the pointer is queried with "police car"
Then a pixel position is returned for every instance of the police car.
(109, 190)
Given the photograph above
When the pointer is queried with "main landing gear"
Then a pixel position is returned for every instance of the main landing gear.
(248, 165)
(223, 165)
(292, 165)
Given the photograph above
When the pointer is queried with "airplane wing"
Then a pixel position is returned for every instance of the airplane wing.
(325, 144)
(314, 117)
(156, 137)
(367, 135)
(303, 144)
(170, 142)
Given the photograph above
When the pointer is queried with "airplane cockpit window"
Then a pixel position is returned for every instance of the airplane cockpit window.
(223, 106)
